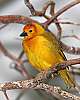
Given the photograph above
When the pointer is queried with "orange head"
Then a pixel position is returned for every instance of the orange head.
(31, 30)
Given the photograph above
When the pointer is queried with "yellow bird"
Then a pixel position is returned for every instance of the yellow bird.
(43, 50)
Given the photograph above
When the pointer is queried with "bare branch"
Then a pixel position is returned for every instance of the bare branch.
(36, 84)
(3, 26)
(71, 23)
(18, 62)
(14, 65)
(62, 10)
(52, 12)
(64, 64)
(59, 30)
(71, 36)
(75, 72)
(7, 98)
(30, 6)
(69, 49)
(34, 12)
(6, 53)
(42, 13)
(15, 19)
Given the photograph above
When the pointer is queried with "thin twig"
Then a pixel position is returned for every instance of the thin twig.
(6, 95)
(34, 12)
(15, 65)
(19, 63)
(75, 73)
(61, 11)
(64, 64)
(15, 19)
(52, 12)
(59, 30)
(65, 22)
(30, 6)
(71, 36)
(8, 54)
(3, 26)
(70, 49)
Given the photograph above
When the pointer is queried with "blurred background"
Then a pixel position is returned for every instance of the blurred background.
(10, 38)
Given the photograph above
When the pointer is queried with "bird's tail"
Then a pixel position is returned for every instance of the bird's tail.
(64, 74)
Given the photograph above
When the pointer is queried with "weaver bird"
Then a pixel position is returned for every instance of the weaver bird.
(43, 50)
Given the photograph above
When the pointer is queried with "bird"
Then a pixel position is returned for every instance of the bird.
(43, 50)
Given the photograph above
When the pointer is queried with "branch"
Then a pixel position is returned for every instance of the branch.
(34, 12)
(23, 20)
(52, 12)
(69, 49)
(59, 29)
(71, 36)
(75, 71)
(62, 10)
(3, 26)
(71, 23)
(6, 53)
(36, 84)
(64, 64)
(30, 6)
(18, 62)
(42, 13)
(6, 96)
(15, 19)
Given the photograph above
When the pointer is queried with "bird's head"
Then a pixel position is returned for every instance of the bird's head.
(31, 30)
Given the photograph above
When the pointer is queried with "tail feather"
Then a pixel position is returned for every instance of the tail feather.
(64, 74)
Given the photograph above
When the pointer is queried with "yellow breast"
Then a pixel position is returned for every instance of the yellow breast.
(41, 52)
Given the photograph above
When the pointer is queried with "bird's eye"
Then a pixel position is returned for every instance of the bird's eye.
(30, 30)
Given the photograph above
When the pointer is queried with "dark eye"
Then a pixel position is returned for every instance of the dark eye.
(30, 30)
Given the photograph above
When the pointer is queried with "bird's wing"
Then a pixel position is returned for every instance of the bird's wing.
(50, 36)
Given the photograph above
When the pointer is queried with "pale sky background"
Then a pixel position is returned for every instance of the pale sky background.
(10, 38)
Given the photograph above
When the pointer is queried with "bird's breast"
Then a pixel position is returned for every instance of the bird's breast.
(41, 53)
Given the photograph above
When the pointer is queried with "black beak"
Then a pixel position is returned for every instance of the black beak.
(23, 34)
